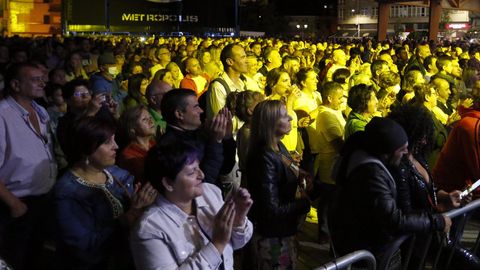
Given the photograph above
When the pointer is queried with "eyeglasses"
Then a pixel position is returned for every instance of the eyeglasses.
(82, 94)
(37, 79)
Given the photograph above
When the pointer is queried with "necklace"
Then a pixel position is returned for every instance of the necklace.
(117, 207)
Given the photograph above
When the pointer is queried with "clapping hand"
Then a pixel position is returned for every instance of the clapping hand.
(229, 125)
(143, 196)
(217, 127)
(243, 202)
(223, 225)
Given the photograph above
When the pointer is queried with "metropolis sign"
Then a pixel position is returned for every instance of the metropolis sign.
(156, 15)
(186, 15)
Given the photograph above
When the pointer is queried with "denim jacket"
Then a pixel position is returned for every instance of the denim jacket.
(86, 215)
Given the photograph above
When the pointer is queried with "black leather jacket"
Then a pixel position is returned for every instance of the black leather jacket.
(365, 214)
(414, 193)
(275, 211)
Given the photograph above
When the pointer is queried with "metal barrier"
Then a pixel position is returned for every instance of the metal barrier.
(347, 260)
(461, 215)
(467, 208)
(364, 255)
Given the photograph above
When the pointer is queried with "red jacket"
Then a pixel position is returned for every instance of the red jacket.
(132, 159)
(459, 162)
(188, 83)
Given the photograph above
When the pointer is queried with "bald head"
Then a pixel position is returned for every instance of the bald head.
(192, 66)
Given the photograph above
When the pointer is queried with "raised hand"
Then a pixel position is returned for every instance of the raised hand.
(95, 104)
(143, 196)
(218, 126)
(229, 126)
(223, 225)
(243, 202)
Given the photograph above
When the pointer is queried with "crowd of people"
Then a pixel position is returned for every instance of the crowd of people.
(172, 153)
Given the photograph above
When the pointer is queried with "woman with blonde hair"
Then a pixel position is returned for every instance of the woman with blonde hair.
(177, 74)
(273, 182)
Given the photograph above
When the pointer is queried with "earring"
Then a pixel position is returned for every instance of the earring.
(87, 162)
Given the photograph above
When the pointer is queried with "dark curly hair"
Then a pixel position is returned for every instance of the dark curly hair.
(239, 103)
(418, 124)
(359, 96)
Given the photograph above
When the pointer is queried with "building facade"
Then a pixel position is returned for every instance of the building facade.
(358, 18)
(30, 17)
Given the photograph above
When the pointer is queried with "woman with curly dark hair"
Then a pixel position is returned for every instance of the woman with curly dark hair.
(363, 102)
(415, 186)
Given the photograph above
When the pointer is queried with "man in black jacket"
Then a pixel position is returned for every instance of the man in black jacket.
(181, 111)
(365, 213)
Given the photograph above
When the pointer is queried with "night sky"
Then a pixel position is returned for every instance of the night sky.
(303, 7)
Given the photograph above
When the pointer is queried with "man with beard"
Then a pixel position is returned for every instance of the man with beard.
(365, 214)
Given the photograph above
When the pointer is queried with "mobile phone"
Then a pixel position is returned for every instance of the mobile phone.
(470, 189)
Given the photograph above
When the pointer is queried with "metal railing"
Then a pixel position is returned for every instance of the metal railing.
(460, 211)
(347, 260)
(363, 255)
(460, 214)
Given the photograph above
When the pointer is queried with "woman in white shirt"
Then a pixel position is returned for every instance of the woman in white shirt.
(189, 226)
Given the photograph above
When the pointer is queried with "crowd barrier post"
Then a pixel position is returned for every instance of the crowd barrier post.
(460, 218)
(347, 260)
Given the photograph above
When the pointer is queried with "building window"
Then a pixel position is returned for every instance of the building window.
(340, 13)
(374, 12)
(393, 11)
(412, 11)
(364, 11)
(403, 11)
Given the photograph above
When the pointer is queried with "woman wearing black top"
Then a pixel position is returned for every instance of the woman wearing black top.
(416, 188)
